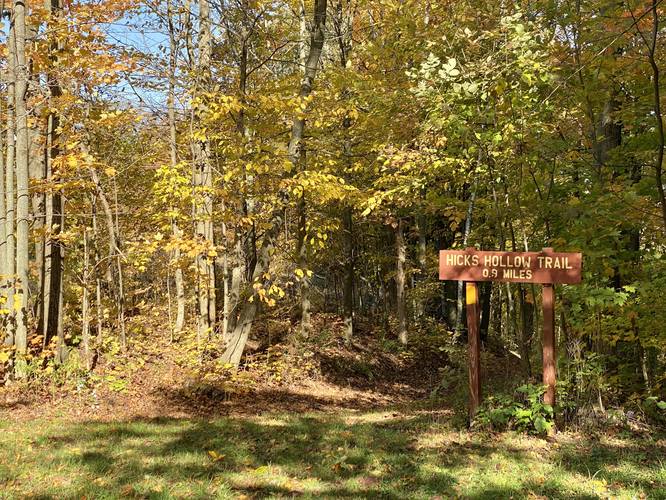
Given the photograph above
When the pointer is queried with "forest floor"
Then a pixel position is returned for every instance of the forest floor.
(319, 420)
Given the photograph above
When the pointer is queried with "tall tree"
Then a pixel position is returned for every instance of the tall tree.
(173, 156)
(22, 185)
(51, 321)
(400, 280)
(203, 184)
(238, 338)
(8, 279)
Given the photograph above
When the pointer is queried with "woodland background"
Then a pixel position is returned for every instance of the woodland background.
(220, 177)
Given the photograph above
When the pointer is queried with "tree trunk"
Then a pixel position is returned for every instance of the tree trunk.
(115, 255)
(423, 265)
(51, 314)
(98, 279)
(245, 245)
(485, 298)
(299, 156)
(659, 162)
(173, 147)
(37, 174)
(302, 259)
(401, 250)
(203, 184)
(527, 332)
(342, 28)
(238, 337)
(496, 309)
(348, 286)
(10, 190)
(52, 274)
(226, 282)
(85, 301)
(468, 228)
(234, 292)
(22, 186)
(3, 216)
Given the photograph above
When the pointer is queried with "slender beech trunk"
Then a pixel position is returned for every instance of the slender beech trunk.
(234, 292)
(342, 22)
(467, 230)
(527, 331)
(203, 184)
(10, 190)
(348, 284)
(119, 267)
(226, 282)
(52, 273)
(3, 220)
(3, 215)
(496, 310)
(302, 258)
(401, 251)
(422, 260)
(238, 337)
(51, 316)
(37, 171)
(298, 157)
(22, 186)
(173, 148)
(485, 300)
(246, 245)
(659, 162)
(85, 300)
(115, 254)
(98, 279)
(37, 174)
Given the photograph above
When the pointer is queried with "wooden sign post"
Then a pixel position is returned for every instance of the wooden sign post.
(546, 267)
(474, 345)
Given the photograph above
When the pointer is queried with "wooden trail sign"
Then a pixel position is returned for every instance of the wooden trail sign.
(517, 267)
(546, 267)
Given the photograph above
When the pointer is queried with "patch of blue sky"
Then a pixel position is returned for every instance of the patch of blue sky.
(146, 87)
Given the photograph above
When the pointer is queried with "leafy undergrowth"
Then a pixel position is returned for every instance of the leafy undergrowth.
(410, 454)
(157, 377)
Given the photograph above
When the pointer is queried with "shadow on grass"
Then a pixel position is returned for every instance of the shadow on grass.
(641, 465)
(322, 456)
(205, 400)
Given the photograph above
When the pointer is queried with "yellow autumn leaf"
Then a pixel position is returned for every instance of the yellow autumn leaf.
(216, 457)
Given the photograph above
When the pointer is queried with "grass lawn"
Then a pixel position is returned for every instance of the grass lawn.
(345, 455)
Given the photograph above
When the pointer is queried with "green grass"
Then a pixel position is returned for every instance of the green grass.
(348, 455)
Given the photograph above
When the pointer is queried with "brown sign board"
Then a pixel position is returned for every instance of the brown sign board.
(517, 267)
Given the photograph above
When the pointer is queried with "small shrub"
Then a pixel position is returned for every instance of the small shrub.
(655, 410)
(523, 411)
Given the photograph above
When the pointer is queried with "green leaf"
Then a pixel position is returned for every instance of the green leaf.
(542, 425)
